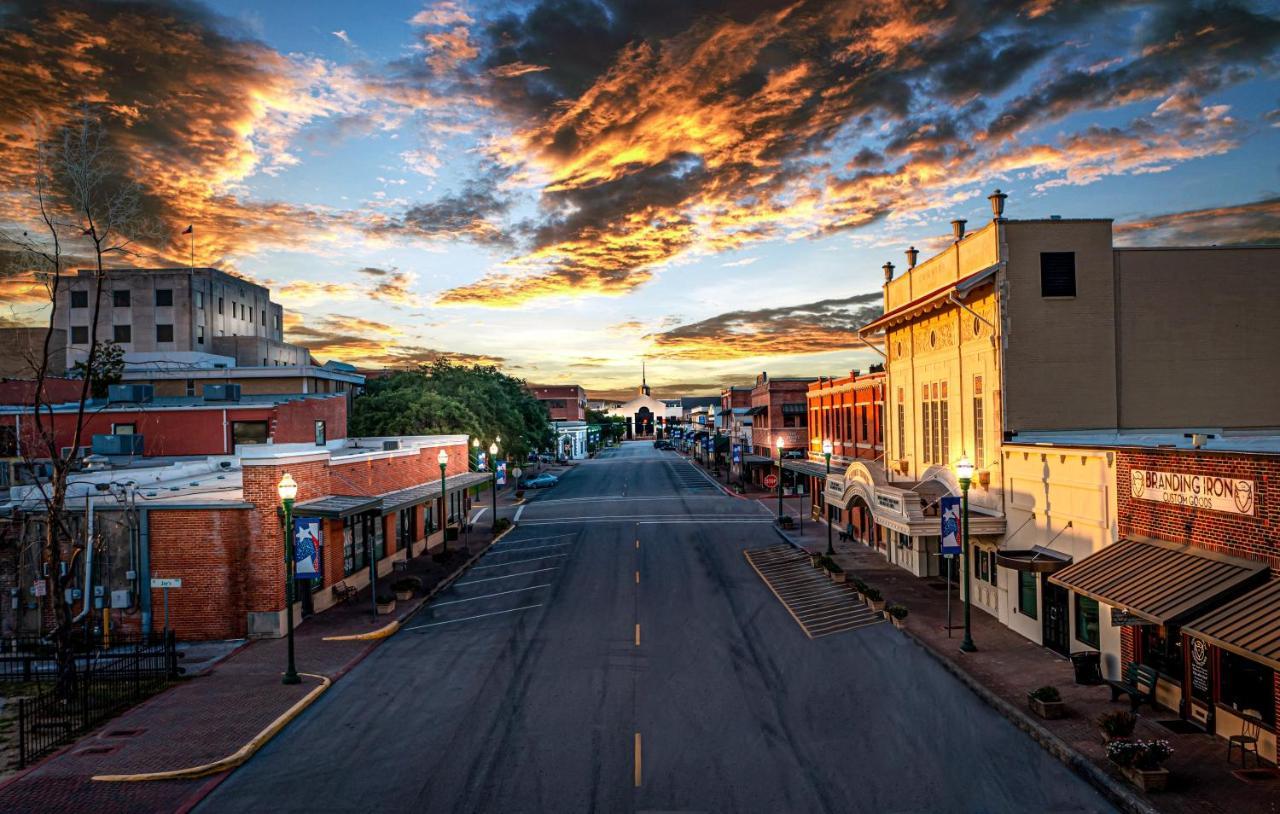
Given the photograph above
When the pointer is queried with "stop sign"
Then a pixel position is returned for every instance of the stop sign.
(770, 481)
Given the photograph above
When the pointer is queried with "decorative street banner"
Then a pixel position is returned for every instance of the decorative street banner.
(502, 473)
(737, 453)
(482, 463)
(306, 547)
(1193, 491)
(950, 511)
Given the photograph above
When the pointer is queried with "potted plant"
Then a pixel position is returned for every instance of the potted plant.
(786, 522)
(502, 525)
(1046, 702)
(897, 614)
(1116, 725)
(859, 588)
(386, 604)
(404, 587)
(834, 570)
(873, 599)
(1142, 762)
(815, 559)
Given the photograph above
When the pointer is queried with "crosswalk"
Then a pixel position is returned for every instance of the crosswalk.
(818, 605)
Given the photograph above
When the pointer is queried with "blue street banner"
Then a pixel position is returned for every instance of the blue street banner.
(737, 453)
(950, 511)
(306, 547)
(502, 473)
(482, 463)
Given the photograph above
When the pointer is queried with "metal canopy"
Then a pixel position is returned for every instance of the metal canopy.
(1248, 626)
(757, 460)
(794, 408)
(757, 410)
(1159, 581)
(817, 470)
(413, 495)
(1037, 560)
(337, 506)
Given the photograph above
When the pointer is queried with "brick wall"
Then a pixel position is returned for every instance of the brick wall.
(1255, 536)
(209, 551)
(1128, 645)
(295, 421)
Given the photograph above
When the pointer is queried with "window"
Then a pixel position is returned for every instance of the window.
(404, 529)
(1087, 620)
(1247, 685)
(902, 426)
(320, 434)
(164, 297)
(199, 298)
(251, 315)
(1161, 647)
(120, 298)
(926, 420)
(264, 317)
(995, 575)
(355, 539)
(122, 333)
(164, 333)
(1027, 602)
(379, 543)
(1057, 274)
(428, 519)
(219, 305)
(124, 429)
(79, 334)
(982, 566)
(248, 432)
(191, 387)
(866, 435)
(199, 334)
(80, 299)
(979, 425)
(944, 433)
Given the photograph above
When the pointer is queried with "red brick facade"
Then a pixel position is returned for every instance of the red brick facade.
(564, 402)
(850, 412)
(775, 422)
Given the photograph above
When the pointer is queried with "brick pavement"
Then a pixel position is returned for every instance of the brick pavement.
(206, 718)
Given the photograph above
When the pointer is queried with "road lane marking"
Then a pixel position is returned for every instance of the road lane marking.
(505, 576)
(639, 756)
(477, 616)
(637, 634)
(519, 512)
(637, 543)
(487, 596)
(637, 577)
(517, 562)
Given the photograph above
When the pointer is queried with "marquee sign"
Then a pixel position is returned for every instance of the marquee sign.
(1218, 494)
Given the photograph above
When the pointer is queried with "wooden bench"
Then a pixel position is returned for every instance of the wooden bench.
(1139, 683)
(345, 593)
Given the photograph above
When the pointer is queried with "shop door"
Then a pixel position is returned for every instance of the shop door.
(1056, 617)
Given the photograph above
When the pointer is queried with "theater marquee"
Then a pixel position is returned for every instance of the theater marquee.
(1194, 491)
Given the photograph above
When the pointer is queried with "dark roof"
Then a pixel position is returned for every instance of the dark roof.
(818, 470)
(347, 505)
(794, 408)
(336, 505)
(1159, 581)
(699, 401)
(1248, 626)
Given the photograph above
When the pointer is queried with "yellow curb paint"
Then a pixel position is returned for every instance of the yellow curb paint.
(639, 760)
(236, 758)
(637, 634)
(380, 633)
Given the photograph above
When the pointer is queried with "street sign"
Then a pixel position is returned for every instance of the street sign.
(516, 473)
(157, 582)
(770, 481)
(950, 511)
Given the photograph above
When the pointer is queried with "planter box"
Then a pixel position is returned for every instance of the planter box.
(386, 607)
(813, 560)
(1049, 710)
(876, 605)
(1147, 780)
(898, 623)
(837, 576)
(404, 596)
(450, 534)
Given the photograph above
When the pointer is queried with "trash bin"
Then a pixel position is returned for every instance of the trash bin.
(1088, 666)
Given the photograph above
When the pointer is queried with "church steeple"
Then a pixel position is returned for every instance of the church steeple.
(644, 384)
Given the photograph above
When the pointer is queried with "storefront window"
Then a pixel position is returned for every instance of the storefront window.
(1162, 649)
(1027, 594)
(1247, 685)
(994, 580)
(983, 566)
(379, 543)
(354, 535)
(1087, 620)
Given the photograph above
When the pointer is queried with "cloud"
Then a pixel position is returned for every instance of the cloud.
(342, 35)
(745, 261)
(1253, 223)
(392, 287)
(367, 342)
(440, 14)
(817, 327)
(514, 69)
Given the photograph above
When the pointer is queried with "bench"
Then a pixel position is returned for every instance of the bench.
(1139, 683)
(345, 593)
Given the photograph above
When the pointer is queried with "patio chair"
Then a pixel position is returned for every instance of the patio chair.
(1247, 740)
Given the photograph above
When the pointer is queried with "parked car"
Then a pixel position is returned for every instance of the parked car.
(546, 479)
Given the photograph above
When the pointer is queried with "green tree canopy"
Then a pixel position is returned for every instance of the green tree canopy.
(444, 398)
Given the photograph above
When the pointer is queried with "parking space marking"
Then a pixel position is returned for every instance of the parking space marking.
(517, 562)
(489, 596)
(477, 616)
(530, 540)
(522, 550)
(505, 576)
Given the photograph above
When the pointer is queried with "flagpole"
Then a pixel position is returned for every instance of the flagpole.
(192, 230)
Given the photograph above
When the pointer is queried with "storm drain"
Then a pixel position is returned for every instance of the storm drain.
(820, 606)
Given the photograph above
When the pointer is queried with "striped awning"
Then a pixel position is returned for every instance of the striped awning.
(794, 408)
(1248, 626)
(1159, 581)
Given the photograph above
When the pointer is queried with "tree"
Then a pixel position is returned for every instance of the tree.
(108, 369)
(79, 199)
(612, 428)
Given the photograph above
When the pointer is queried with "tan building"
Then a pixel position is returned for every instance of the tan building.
(21, 349)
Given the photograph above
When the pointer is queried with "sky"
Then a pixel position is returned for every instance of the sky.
(565, 187)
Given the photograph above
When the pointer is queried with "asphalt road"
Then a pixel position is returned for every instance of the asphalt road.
(552, 678)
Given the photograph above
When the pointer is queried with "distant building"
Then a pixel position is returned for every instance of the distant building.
(848, 412)
(190, 373)
(567, 406)
(23, 347)
(780, 412)
(177, 309)
(644, 415)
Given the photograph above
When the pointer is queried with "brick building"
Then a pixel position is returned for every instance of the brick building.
(848, 412)
(564, 402)
(779, 412)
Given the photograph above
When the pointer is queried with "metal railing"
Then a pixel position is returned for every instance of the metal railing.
(104, 683)
(33, 659)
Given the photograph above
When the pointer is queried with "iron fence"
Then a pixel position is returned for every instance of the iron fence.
(104, 683)
(33, 659)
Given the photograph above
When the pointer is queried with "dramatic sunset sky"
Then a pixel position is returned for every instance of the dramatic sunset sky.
(566, 186)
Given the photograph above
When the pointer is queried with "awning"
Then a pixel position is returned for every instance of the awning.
(757, 410)
(795, 408)
(757, 460)
(812, 468)
(929, 302)
(336, 506)
(1159, 581)
(1248, 626)
(412, 496)
(1036, 560)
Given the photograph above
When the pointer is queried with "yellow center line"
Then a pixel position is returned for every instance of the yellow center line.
(637, 634)
(637, 577)
(639, 754)
(637, 543)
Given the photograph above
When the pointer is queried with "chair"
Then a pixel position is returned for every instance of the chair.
(1247, 740)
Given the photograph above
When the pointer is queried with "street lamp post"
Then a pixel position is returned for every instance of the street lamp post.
(475, 446)
(826, 453)
(443, 460)
(493, 456)
(964, 474)
(288, 490)
(778, 444)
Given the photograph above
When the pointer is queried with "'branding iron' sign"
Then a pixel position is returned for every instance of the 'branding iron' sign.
(1194, 491)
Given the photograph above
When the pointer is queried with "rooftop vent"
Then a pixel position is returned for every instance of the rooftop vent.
(957, 228)
(997, 200)
(117, 445)
(913, 254)
(1055, 217)
(888, 272)
(130, 393)
(222, 392)
(390, 445)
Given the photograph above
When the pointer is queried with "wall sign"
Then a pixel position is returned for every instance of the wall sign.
(891, 503)
(1218, 494)
(1122, 618)
(1200, 670)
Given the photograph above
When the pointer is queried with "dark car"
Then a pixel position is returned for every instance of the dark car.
(546, 479)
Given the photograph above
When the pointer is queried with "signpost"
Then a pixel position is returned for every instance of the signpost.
(166, 584)
(949, 509)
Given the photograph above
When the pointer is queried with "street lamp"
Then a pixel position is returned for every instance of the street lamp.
(475, 446)
(288, 490)
(443, 460)
(493, 456)
(826, 453)
(964, 474)
(778, 443)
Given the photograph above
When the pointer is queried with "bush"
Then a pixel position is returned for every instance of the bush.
(833, 566)
(386, 599)
(859, 586)
(1117, 724)
(897, 611)
(502, 525)
(871, 593)
(1144, 755)
(406, 584)
(1048, 694)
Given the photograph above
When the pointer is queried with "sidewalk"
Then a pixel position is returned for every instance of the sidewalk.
(1007, 666)
(207, 718)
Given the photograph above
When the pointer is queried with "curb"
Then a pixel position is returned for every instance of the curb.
(372, 635)
(236, 758)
